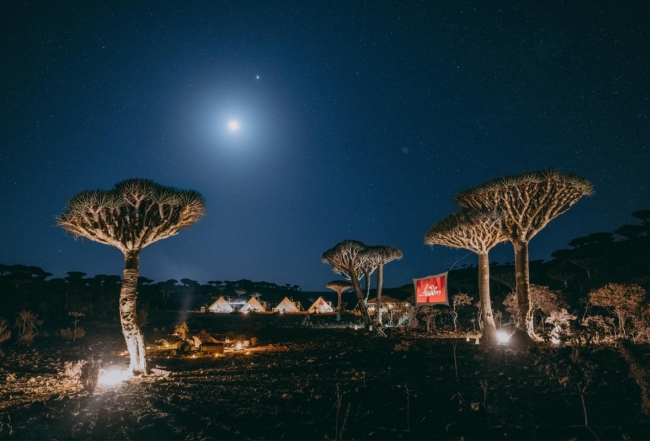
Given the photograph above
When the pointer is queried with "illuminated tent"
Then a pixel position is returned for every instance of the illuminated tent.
(287, 305)
(320, 306)
(252, 305)
(221, 305)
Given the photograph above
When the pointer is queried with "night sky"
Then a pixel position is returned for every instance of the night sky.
(357, 121)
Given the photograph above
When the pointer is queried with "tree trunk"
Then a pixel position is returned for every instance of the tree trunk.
(489, 327)
(380, 283)
(128, 313)
(523, 334)
(338, 308)
(367, 276)
(362, 304)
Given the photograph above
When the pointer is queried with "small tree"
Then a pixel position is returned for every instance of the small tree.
(78, 332)
(429, 314)
(543, 300)
(339, 286)
(624, 301)
(26, 322)
(458, 301)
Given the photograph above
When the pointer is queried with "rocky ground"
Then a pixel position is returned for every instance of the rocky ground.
(323, 382)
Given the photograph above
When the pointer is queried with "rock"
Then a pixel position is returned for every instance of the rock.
(37, 406)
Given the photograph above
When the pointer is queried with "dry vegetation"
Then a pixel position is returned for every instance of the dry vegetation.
(330, 383)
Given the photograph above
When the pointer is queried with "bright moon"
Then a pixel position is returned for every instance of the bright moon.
(233, 125)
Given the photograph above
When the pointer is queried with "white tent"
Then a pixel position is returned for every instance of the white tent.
(252, 305)
(220, 305)
(320, 306)
(287, 305)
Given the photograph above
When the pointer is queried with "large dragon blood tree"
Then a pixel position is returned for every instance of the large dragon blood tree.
(528, 203)
(347, 258)
(477, 231)
(132, 215)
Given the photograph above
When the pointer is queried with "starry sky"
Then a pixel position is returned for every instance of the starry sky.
(358, 120)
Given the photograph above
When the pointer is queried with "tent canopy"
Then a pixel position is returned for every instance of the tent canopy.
(320, 306)
(253, 305)
(286, 305)
(220, 305)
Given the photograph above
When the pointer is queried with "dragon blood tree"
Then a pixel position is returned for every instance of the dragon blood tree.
(132, 215)
(380, 255)
(339, 286)
(477, 231)
(346, 258)
(528, 203)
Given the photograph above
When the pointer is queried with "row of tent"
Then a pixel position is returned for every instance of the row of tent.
(221, 305)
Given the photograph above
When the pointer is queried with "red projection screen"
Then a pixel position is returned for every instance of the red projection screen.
(431, 290)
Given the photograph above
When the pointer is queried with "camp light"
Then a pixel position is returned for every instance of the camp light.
(555, 340)
(503, 336)
(111, 376)
(238, 346)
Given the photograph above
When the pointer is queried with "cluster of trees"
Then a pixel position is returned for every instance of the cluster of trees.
(354, 261)
(512, 208)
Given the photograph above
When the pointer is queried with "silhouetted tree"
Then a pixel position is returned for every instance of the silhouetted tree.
(644, 217)
(131, 216)
(346, 258)
(339, 286)
(630, 232)
(528, 202)
(478, 232)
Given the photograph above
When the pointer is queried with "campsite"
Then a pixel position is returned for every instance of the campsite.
(325, 220)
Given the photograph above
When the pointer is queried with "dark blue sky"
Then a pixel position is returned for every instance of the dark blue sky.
(364, 122)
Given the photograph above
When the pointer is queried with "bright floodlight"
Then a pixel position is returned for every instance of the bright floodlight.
(233, 125)
(503, 336)
(111, 376)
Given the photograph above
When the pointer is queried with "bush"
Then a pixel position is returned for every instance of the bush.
(72, 369)
(73, 334)
(90, 375)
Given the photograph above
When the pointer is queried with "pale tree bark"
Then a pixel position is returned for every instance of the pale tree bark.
(524, 331)
(128, 313)
(362, 304)
(489, 327)
(380, 282)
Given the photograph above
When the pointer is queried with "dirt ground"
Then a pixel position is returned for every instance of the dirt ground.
(322, 382)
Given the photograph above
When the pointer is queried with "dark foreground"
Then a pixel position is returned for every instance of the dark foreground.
(330, 384)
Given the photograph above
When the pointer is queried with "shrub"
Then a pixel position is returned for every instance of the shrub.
(90, 375)
(73, 334)
(5, 333)
(72, 369)
(26, 322)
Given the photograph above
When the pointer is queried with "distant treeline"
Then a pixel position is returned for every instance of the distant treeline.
(590, 262)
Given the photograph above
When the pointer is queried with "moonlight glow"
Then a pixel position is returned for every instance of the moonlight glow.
(233, 125)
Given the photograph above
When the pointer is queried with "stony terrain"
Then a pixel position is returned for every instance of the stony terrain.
(323, 382)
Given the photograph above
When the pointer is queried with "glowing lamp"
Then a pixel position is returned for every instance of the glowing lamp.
(111, 376)
(555, 341)
(238, 346)
(503, 336)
